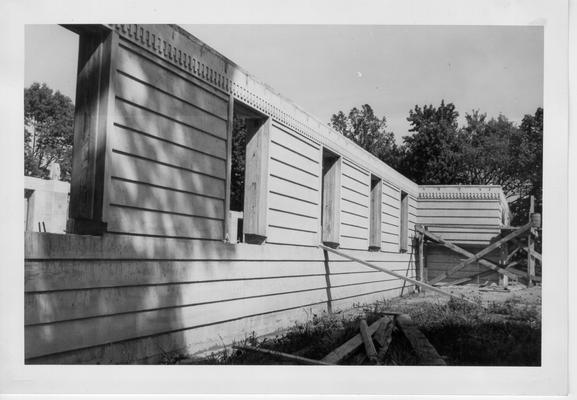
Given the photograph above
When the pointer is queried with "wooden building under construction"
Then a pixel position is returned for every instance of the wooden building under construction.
(151, 263)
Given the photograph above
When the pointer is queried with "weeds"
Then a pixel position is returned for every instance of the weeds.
(506, 333)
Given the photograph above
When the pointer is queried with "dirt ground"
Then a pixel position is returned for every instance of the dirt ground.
(516, 293)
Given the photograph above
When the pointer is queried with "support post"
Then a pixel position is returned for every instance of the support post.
(503, 255)
(422, 270)
(95, 88)
(530, 246)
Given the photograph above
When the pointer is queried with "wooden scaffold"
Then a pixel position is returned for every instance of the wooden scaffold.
(522, 238)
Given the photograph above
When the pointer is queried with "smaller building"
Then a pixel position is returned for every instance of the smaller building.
(45, 205)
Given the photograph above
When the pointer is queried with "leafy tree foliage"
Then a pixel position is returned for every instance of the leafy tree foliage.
(527, 146)
(482, 152)
(364, 128)
(486, 151)
(48, 131)
(432, 154)
(238, 161)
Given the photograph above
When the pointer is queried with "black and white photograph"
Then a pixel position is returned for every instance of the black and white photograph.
(340, 201)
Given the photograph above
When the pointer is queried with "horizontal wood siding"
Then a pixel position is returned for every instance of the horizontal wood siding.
(355, 190)
(439, 259)
(168, 151)
(294, 189)
(85, 295)
(464, 221)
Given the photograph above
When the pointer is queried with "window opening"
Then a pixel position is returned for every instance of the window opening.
(404, 229)
(331, 198)
(376, 197)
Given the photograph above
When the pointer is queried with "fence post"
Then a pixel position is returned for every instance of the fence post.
(530, 245)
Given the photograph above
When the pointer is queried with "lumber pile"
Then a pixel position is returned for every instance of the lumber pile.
(375, 339)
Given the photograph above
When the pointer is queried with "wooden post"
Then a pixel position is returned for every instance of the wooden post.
(422, 270)
(92, 129)
(530, 246)
(503, 279)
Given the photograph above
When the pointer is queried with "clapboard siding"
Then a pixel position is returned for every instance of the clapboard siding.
(354, 231)
(354, 207)
(139, 119)
(203, 337)
(292, 221)
(112, 301)
(42, 339)
(463, 221)
(294, 141)
(294, 189)
(353, 182)
(54, 306)
(148, 97)
(47, 276)
(279, 184)
(159, 223)
(74, 304)
(390, 225)
(128, 167)
(288, 203)
(131, 142)
(294, 173)
(168, 151)
(354, 196)
(135, 194)
(279, 152)
(194, 341)
(131, 62)
(456, 220)
(289, 236)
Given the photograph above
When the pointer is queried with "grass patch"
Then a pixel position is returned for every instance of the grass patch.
(501, 334)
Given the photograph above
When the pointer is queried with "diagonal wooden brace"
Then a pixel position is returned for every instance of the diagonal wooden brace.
(385, 270)
(474, 257)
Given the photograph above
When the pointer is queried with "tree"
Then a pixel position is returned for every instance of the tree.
(364, 128)
(48, 131)
(238, 162)
(486, 152)
(527, 146)
(432, 155)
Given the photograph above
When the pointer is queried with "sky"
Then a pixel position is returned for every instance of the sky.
(331, 68)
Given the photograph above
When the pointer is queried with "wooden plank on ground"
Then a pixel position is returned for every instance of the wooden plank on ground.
(349, 346)
(425, 351)
(383, 335)
(287, 356)
(370, 349)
